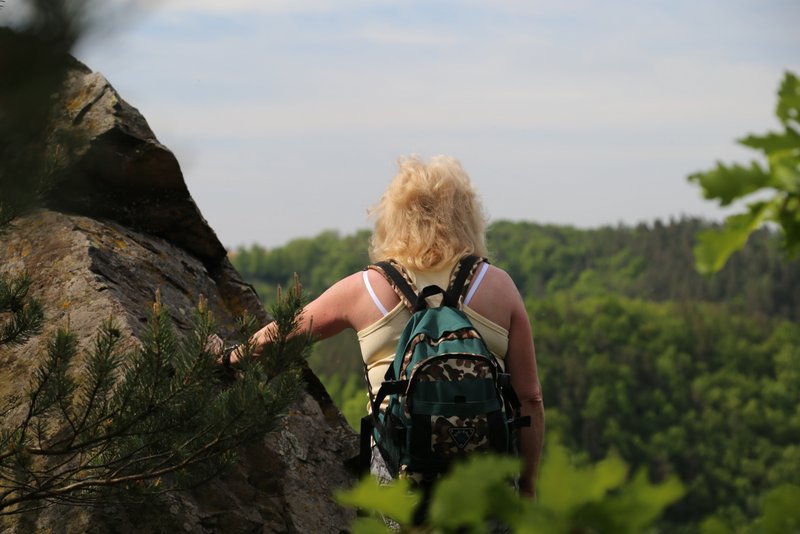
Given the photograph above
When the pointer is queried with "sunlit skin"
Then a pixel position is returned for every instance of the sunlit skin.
(347, 304)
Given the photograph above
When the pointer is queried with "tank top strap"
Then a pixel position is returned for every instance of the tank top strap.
(473, 287)
(372, 294)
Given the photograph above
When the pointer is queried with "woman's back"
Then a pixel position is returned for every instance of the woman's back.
(492, 300)
(378, 340)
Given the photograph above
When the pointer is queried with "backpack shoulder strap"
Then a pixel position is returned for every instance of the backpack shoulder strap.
(459, 283)
(399, 282)
(462, 277)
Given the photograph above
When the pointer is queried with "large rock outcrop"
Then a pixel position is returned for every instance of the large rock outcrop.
(118, 225)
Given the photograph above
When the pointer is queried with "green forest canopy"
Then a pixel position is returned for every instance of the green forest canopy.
(639, 354)
(650, 262)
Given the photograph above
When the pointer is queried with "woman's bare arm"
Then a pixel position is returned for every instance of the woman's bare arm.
(342, 306)
(521, 364)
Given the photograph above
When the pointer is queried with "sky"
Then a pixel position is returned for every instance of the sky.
(288, 116)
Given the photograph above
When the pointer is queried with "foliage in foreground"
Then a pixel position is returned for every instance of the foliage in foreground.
(781, 177)
(572, 498)
(154, 419)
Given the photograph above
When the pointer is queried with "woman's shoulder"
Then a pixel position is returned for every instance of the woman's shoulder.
(500, 277)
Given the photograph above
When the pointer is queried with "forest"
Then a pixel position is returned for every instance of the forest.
(679, 373)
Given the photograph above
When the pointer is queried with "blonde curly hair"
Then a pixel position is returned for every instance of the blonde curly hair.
(429, 216)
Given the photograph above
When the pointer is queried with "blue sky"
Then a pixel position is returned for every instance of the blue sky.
(287, 115)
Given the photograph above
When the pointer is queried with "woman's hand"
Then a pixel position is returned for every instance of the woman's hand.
(226, 358)
(215, 345)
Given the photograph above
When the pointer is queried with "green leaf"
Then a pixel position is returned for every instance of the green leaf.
(537, 520)
(781, 511)
(789, 219)
(773, 142)
(641, 502)
(395, 500)
(607, 474)
(788, 109)
(715, 247)
(563, 487)
(475, 490)
(729, 183)
(369, 525)
(714, 525)
(785, 166)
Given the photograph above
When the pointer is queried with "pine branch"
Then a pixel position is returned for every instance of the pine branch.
(100, 369)
(109, 481)
(160, 410)
(25, 315)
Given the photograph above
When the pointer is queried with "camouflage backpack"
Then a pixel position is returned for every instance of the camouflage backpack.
(447, 394)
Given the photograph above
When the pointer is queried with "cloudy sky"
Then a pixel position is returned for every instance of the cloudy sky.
(288, 115)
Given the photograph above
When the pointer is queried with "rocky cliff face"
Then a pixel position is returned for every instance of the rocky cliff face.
(118, 225)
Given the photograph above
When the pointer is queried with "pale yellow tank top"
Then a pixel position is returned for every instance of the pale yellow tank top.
(378, 341)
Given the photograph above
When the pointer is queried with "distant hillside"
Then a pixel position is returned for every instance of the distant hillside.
(651, 262)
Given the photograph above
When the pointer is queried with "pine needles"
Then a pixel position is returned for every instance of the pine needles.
(118, 423)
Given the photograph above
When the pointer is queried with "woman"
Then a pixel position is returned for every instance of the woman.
(428, 218)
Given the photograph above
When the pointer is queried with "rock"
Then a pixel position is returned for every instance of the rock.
(115, 168)
(119, 224)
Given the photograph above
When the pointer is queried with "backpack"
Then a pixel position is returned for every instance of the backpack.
(448, 397)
